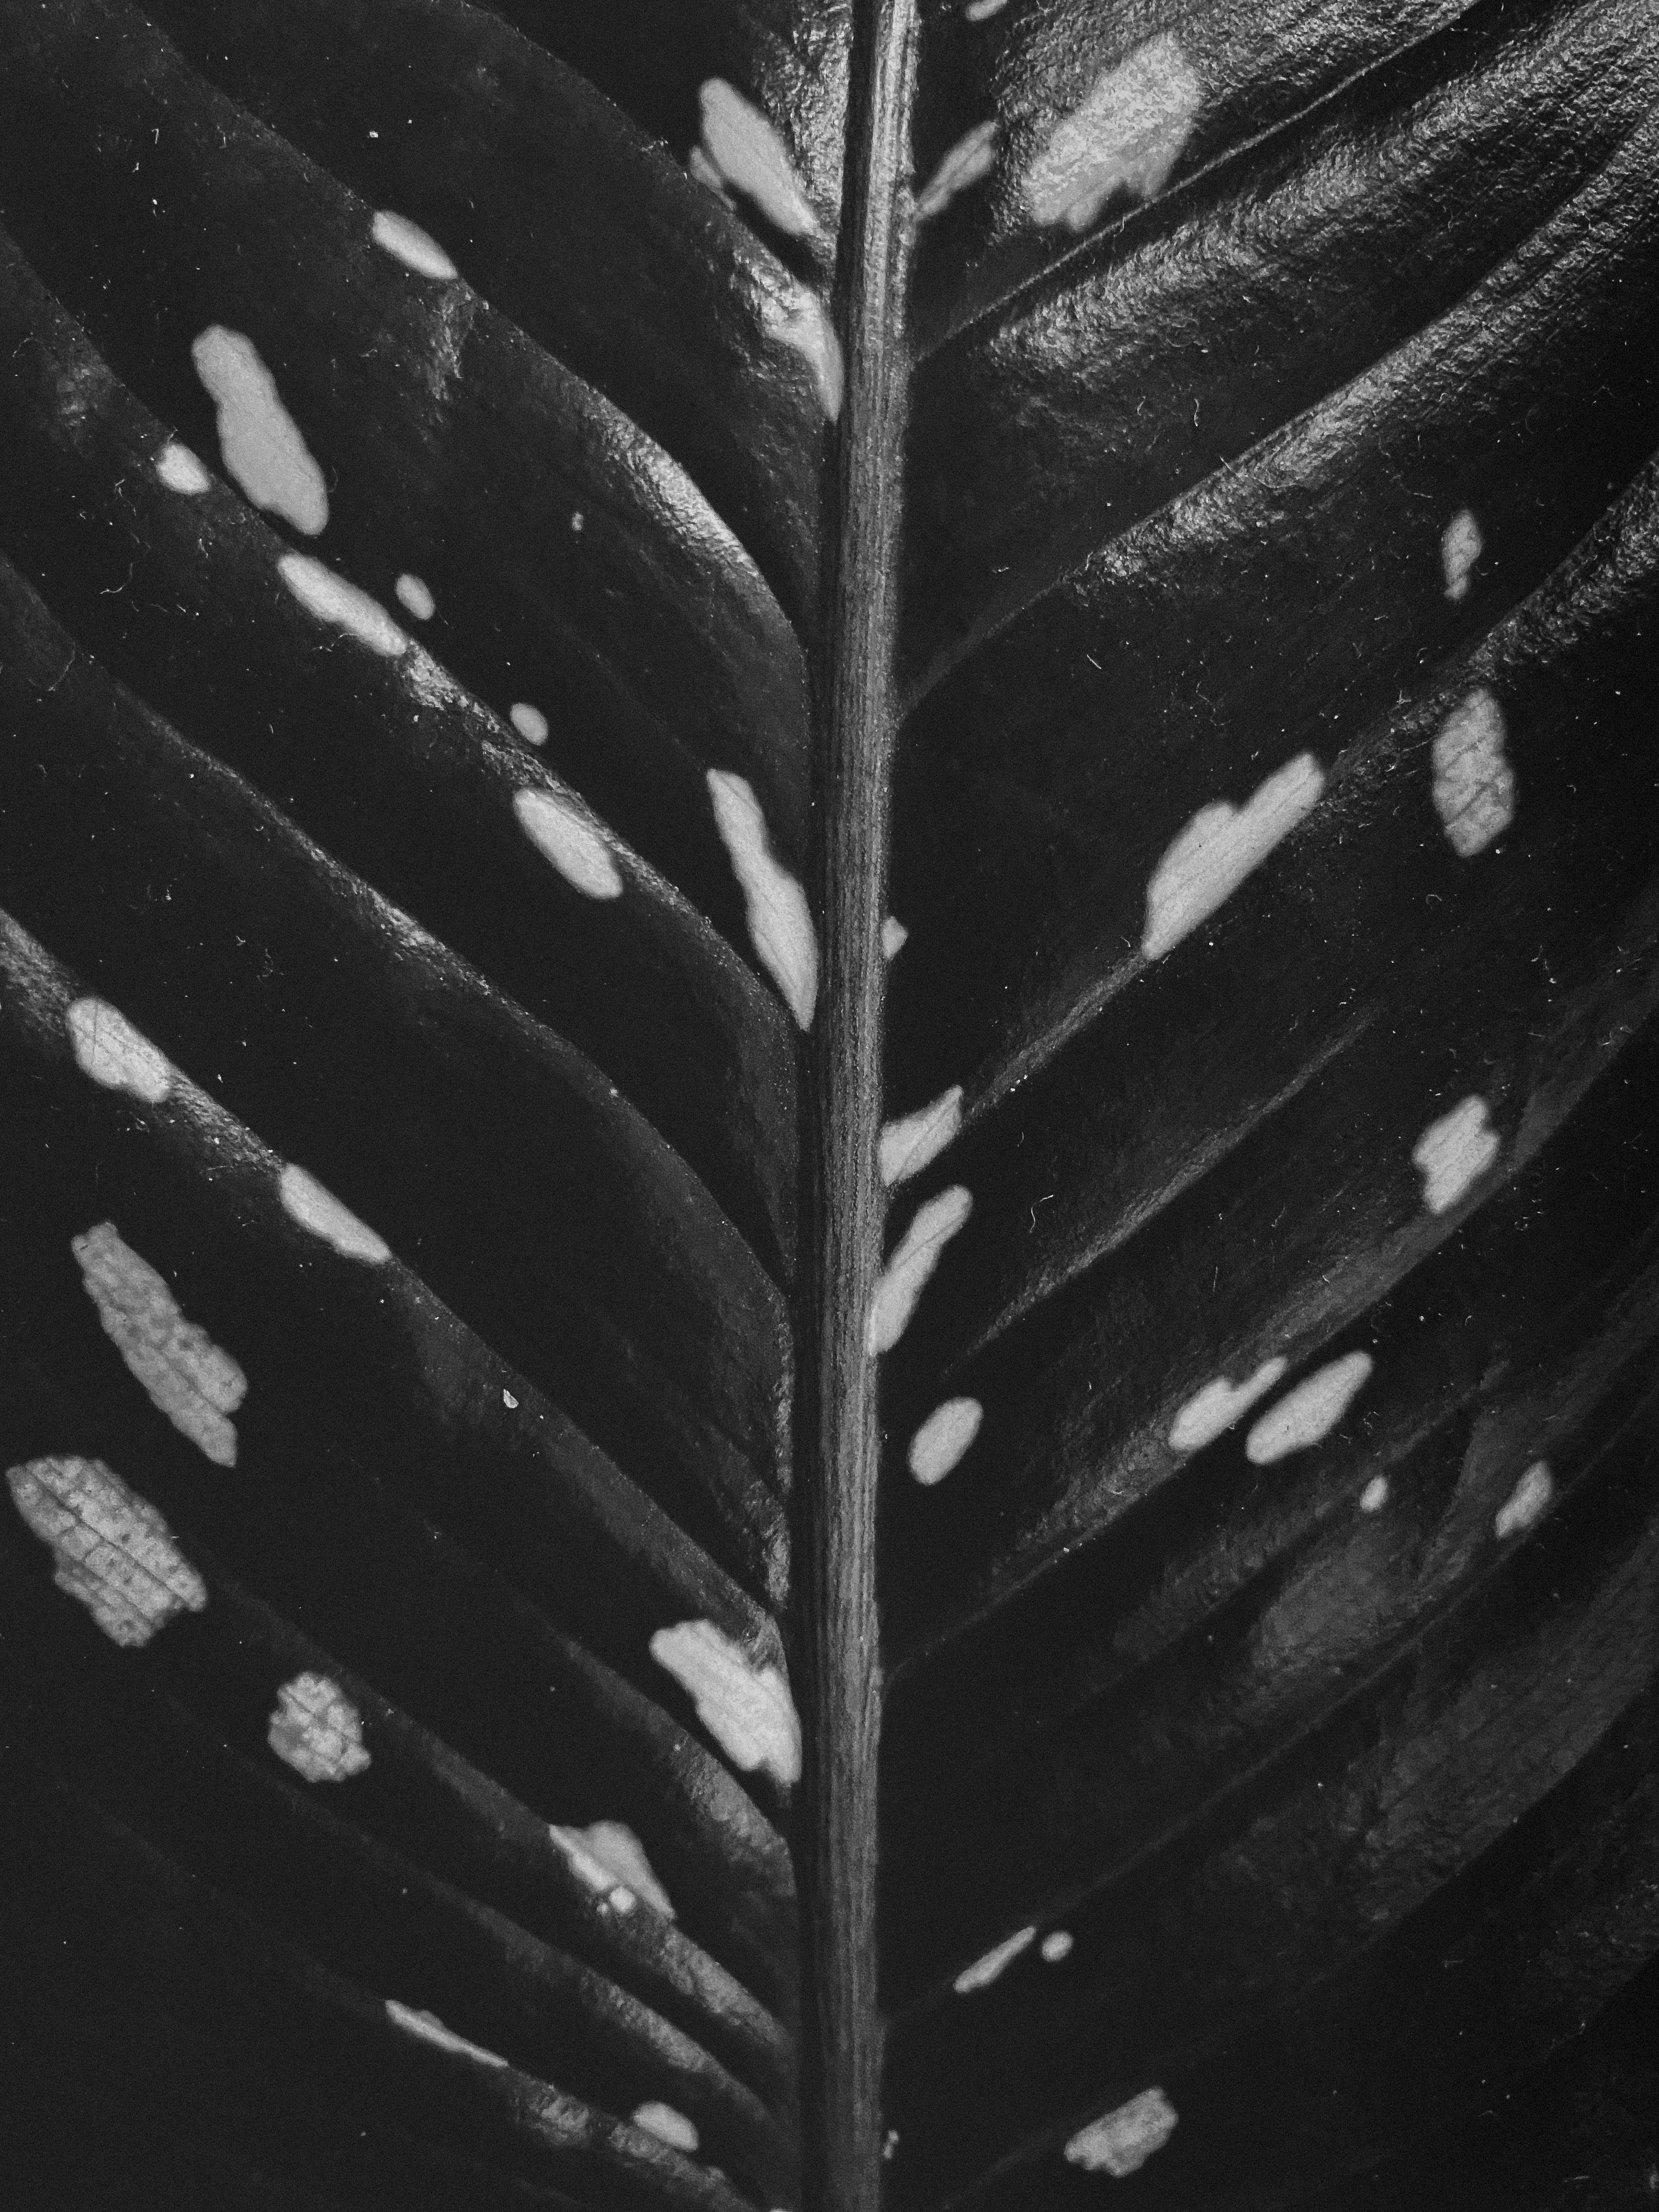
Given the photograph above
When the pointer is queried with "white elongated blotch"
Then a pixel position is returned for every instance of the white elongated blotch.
(914, 1258)
(113, 1551)
(316, 1730)
(332, 599)
(973, 156)
(1309, 1411)
(611, 1860)
(529, 722)
(1219, 848)
(943, 1438)
(906, 1146)
(799, 319)
(1121, 2142)
(186, 1374)
(1526, 1502)
(1474, 782)
(305, 1200)
(108, 1048)
(1056, 1946)
(667, 2125)
(1375, 1495)
(429, 2028)
(416, 248)
(1460, 544)
(1126, 136)
(894, 937)
(1212, 1410)
(698, 165)
(780, 921)
(181, 471)
(747, 1709)
(415, 597)
(981, 11)
(745, 149)
(985, 1971)
(562, 833)
(1453, 1152)
(260, 441)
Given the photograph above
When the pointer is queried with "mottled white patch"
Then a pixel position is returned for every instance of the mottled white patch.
(779, 922)
(509, 1400)
(1212, 1410)
(1460, 544)
(1526, 1502)
(906, 1146)
(305, 1200)
(316, 1730)
(608, 1853)
(943, 1438)
(1309, 1411)
(114, 1552)
(746, 151)
(1473, 783)
(1375, 1495)
(747, 1709)
(1453, 1152)
(575, 845)
(914, 1258)
(529, 722)
(984, 1972)
(667, 2125)
(260, 440)
(1127, 136)
(332, 599)
(185, 1373)
(981, 11)
(799, 319)
(1219, 848)
(108, 1048)
(973, 156)
(699, 166)
(181, 471)
(1121, 2142)
(416, 248)
(1056, 1946)
(894, 936)
(415, 597)
(430, 2029)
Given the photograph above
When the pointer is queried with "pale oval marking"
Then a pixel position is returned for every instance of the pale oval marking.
(747, 1709)
(1473, 783)
(1121, 2142)
(973, 156)
(1127, 136)
(415, 248)
(1461, 547)
(985, 1971)
(608, 1853)
(415, 597)
(576, 846)
(1219, 848)
(108, 1048)
(305, 1201)
(780, 921)
(1209, 1412)
(1375, 1495)
(668, 2125)
(894, 937)
(943, 1438)
(699, 166)
(1056, 1946)
(802, 321)
(182, 1371)
(1454, 1152)
(981, 11)
(181, 471)
(907, 1273)
(1526, 1502)
(332, 599)
(113, 1552)
(1309, 1411)
(529, 722)
(745, 149)
(906, 1146)
(430, 2029)
(316, 1730)
(260, 441)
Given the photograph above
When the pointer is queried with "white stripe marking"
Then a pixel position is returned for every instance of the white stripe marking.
(332, 599)
(747, 1709)
(1057, 1946)
(1454, 1152)
(780, 921)
(114, 1552)
(1526, 1502)
(184, 1373)
(908, 1144)
(529, 722)
(305, 1200)
(746, 149)
(416, 248)
(1461, 548)
(1309, 1411)
(415, 597)
(985, 1971)
(667, 2125)
(894, 936)
(799, 319)
(430, 2029)
(907, 1273)
(316, 1730)
(973, 156)
(260, 440)
(576, 846)
(1219, 848)
(1127, 136)
(1122, 2141)
(1473, 783)
(1212, 1410)
(1375, 1495)
(108, 1048)
(943, 1438)
(608, 1853)
(181, 471)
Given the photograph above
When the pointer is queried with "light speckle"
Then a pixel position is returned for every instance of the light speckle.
(747, 1709)
(799, 319)
(415, 597)
(183, 1372)
(914, 1258)
(1212, 1410)
(1121, 2142)
(1526, 1502)
(984, 1972)
(430, 2029)
(114, 1552)
(260, 440)
(1461, 547)
(1454, 1152)
(1375, 1495)
(973, 156)
(181, 471)
(608, 1853)
(108, 1048)
(332, 599)
(894, 937)
(1056, 1946)
(416, 248)
(1219, 848)
(316, 1730)
(529, 722)
(981, 11)
(943, 1438)
(667, 2125)
(779, 922)
(576, 846)
(745, 151)
(305, 1200)
(1127, 136)
(907, 1145)
(1309, 1411)
(1473, 783)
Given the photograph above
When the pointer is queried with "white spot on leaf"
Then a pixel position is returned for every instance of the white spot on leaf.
(894, 935)
(779, 922)
(747, 1709)
(260, 440)
(332, 599)
(181, 471)
(943, 1438)
(416, 248)
(316, 1730)
(1473, 783)
(1056, 1946)
(185, 1373)
(1121, 2142)
(1212, 1410)
(576, 846)
(914, 1258)
(973, 156)
(746, 150)
(1460, 549)
(699, 166)
(305, 1200)
(1309, 1411)
(1219, 848)
(984, 1972)
(799, 319)
(430, 2029)
(1127, 136)
(1453, 1152)
(108, 1048)
(667, 2125)
(415, 597)
(113, 1551)
(1526, 1502)
(608, 1853)
(908, 1144)
(981, 11)
(1375, 1495)
(529, 722)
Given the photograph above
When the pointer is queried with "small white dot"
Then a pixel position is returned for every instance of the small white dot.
(1375, 1495)
(530, 722)
(943, 1438)
(415, 597)
(1057, 1945)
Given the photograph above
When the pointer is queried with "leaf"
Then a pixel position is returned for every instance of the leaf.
(830, 945)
